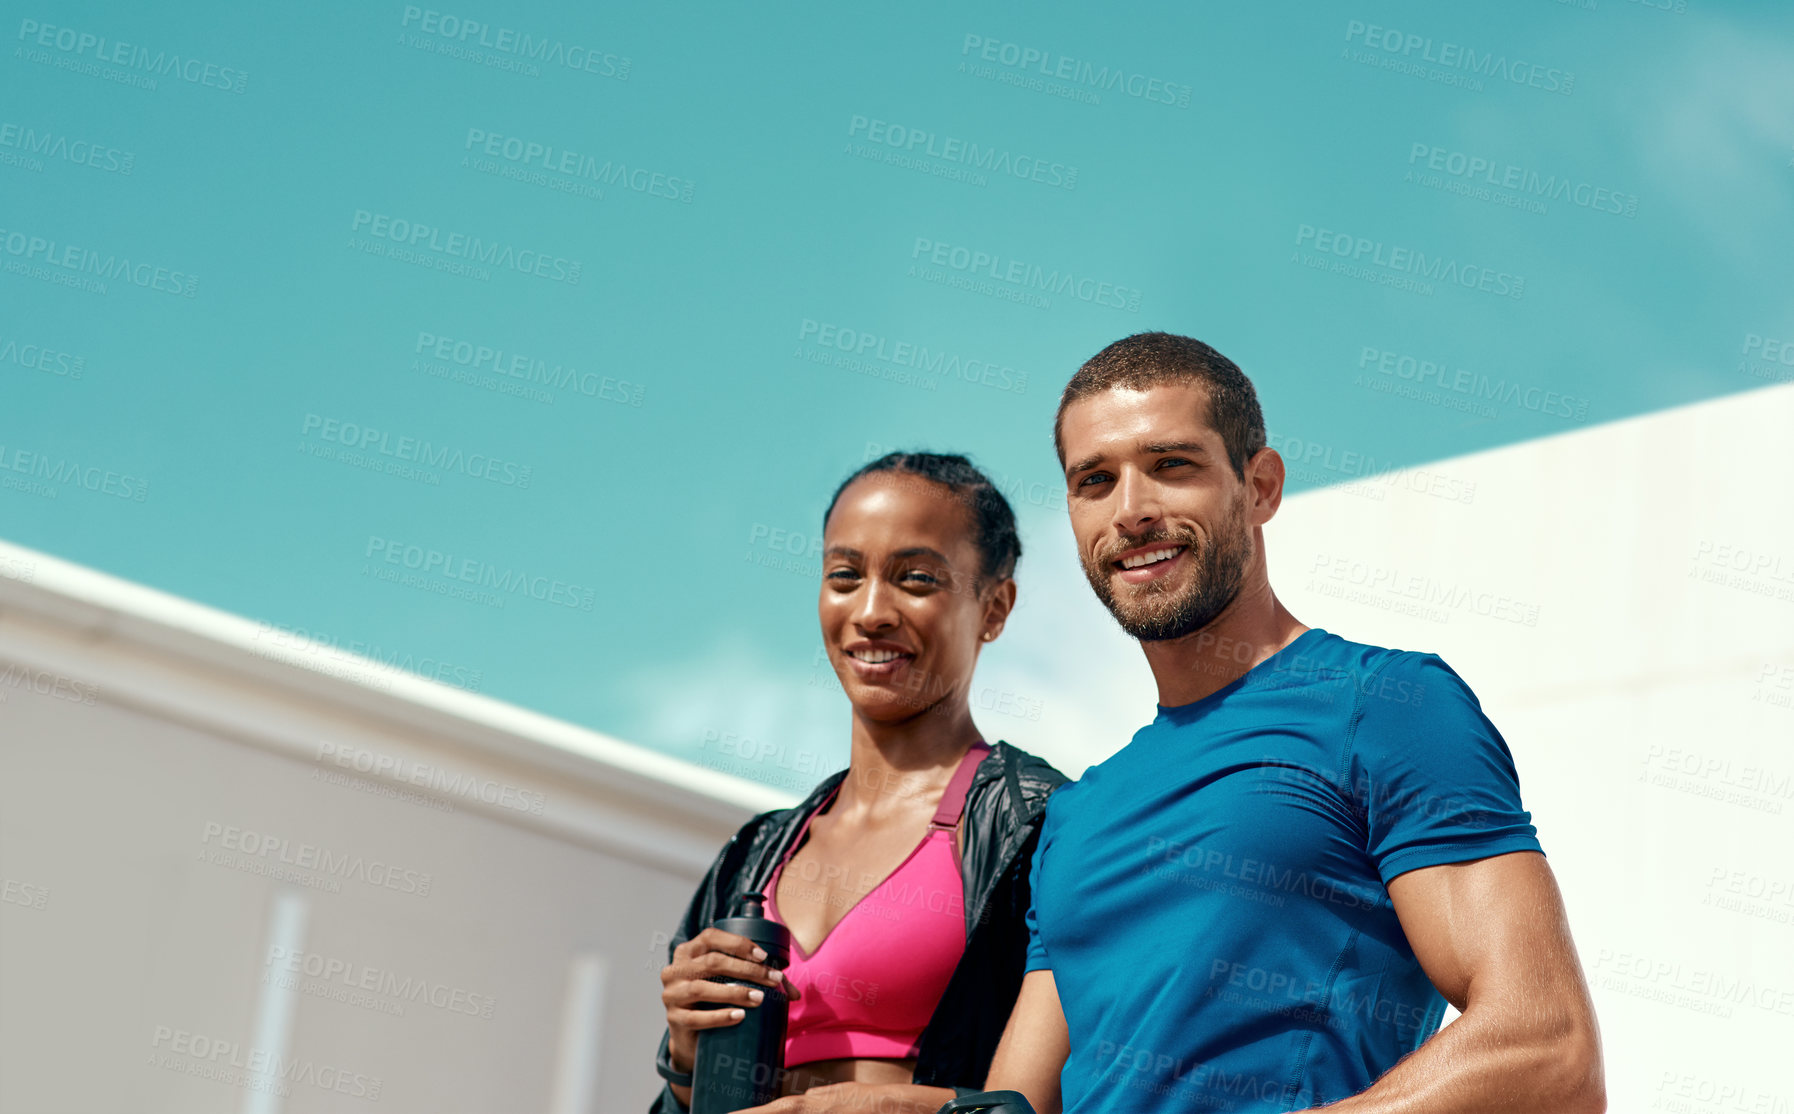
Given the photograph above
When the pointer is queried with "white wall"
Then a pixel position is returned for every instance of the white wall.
(141, 736)
(1625, 611)
(1621, 598)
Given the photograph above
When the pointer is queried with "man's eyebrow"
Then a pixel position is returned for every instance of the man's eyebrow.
(1153, 448)
(1194, 448)
(843, 551)
(1084, 465)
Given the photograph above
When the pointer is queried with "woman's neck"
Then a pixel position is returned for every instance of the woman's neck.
(896, 768)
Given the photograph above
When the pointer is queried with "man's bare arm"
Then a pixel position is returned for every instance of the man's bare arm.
(1035, 1045)
(1493, 937)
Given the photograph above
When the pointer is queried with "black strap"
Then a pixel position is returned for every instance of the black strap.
(663, 1063)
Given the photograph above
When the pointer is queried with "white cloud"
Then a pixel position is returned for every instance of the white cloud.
(1713, 128)
(1063, 650)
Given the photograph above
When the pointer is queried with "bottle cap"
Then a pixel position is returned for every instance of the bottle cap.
(752, 922)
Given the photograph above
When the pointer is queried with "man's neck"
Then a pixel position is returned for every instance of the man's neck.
(1252, 628)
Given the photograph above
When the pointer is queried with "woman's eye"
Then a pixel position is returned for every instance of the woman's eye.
(919, 577)
(842, 576)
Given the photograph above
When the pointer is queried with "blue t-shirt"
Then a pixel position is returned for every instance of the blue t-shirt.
(1213, 902)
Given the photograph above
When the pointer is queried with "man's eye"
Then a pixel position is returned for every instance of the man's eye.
(1172, 460)
(1094, 478)
(842, 575)
(916, 576)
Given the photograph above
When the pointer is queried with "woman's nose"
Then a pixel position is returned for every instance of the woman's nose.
(876, 610)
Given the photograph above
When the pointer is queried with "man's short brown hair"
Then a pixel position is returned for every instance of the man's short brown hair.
(1147, 360)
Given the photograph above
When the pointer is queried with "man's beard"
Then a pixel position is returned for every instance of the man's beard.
(1156, 612)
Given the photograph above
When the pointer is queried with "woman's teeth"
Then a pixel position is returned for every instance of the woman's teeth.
(875, 657)
(1156, 555)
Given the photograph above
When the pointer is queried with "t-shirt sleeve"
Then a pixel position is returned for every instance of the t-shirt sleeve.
(1037, 953)
(1436, 780)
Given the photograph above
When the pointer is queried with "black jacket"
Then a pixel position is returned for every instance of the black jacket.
(1003, 810)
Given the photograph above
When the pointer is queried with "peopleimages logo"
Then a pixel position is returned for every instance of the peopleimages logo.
(1446, 377)
(904, 353)
(468, 570)
(1526, 184)
(40, 357)
(432, 777)
(227, 845)
(422, 237)
(1769, 348)
(61, 470)
(1422, 588)
(1410, 48)
(354, 977)
(1026, 277)
(1059, 67)
(1397, 259)
(450, 33)
(515, 365)
(530, 156)
(918, 143)
(76, 260)
(45, 683)
(448, 458)
(252, 1068)
(36, 144)
(83, 45)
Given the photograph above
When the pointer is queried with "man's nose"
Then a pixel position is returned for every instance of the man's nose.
(1136, 502)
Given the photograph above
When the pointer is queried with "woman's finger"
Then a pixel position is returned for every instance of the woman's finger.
(704, 1019)
(688, 992)
(712, 964)
(790, 1104)
(714, 939)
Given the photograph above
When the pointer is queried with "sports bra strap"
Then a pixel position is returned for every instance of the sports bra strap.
(953, 799)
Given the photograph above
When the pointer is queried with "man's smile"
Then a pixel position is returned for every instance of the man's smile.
(1147, 563)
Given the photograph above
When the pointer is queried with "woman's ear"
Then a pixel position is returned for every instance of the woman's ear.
(999, 601)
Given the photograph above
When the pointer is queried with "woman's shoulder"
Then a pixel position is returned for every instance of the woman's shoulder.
(768, 826)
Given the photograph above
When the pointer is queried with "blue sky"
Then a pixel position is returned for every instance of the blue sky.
(339, 325)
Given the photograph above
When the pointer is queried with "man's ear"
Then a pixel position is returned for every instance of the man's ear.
(1264, 485)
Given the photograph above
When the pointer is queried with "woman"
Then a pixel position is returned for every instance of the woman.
(903, 879)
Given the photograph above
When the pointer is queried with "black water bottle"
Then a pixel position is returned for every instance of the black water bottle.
(740, 1065)
(989, 1102)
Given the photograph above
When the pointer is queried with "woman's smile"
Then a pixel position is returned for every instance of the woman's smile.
(877, 659)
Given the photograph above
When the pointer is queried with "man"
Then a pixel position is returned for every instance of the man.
(1264, 901)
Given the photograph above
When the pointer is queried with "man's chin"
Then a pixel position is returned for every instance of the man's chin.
(1171, 617)
(1153, 629)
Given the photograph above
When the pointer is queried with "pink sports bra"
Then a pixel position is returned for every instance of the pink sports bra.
(870, 987)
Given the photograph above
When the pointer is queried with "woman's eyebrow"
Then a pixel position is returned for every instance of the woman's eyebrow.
(921, 551)
(843, 551)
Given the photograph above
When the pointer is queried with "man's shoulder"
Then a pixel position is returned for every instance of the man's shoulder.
(1318, 649)
(1382, 671)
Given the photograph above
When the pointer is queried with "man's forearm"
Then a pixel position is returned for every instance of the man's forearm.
(1034, 1045)
(1491, 1064)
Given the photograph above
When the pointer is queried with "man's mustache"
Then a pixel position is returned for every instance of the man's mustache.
(1112, 553)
